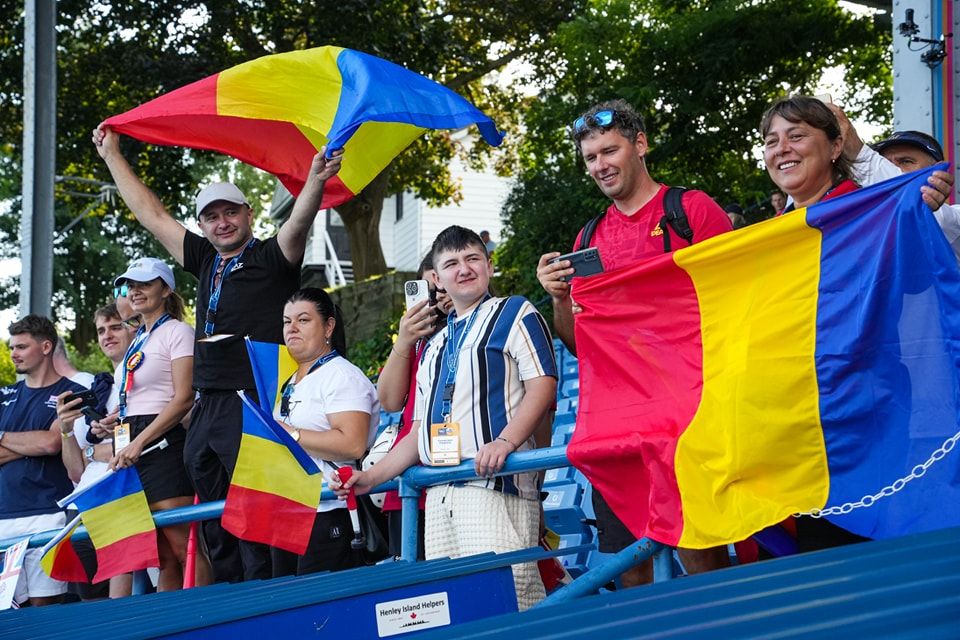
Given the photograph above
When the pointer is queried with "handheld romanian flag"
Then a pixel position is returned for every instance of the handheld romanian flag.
(275, 489)
(270, 363)
(805, 363)
(276, 112)
(115, 512)
(60, 560)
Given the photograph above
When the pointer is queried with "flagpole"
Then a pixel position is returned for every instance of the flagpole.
(163, 444)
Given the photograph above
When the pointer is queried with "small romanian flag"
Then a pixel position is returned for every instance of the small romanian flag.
(117, 517)
(59, 559)
(275, 489)
(270, 363)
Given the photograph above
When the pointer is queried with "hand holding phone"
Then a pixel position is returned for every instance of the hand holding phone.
(585, 262)
(88, 399)
(415, 291)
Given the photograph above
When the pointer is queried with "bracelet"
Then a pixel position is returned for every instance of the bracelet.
(405, 356)
(66, 435)
(508, 442)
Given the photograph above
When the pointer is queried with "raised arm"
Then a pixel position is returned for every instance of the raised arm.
(394, 380)
(144, 203)
(292, 237)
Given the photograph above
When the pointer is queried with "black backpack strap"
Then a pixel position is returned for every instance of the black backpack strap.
(587, 234)
(675, 216)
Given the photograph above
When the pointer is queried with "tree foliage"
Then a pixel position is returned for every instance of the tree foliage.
(113, 56)
(701, 73)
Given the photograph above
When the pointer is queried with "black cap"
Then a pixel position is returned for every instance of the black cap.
(922, 141)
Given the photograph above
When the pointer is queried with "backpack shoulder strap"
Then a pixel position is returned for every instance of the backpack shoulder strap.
(587, 234)
(675, 216)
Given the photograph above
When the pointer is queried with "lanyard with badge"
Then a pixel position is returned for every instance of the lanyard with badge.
(287, 391)
(216, 287)
(132, 361)
(445, 436)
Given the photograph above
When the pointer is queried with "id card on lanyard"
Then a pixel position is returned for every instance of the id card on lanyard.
(214, 302)
(445, 436)
(132, 360)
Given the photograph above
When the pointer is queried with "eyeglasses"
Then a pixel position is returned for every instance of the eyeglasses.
(601, 119)
(120, 291)
(133, 323)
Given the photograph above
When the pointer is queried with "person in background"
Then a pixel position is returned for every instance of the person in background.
(87, 461)
(735, 212)
(489, 244)
(396, 386)
(32, 475)
(155, 393)
(778, 201)
(66, 369)
(330, 408)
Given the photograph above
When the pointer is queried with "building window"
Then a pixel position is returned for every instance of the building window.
(399, 206)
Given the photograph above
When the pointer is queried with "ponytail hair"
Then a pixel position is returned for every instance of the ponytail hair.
(327, 309)
(174, 305)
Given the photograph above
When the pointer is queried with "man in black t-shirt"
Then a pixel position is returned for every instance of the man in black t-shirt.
(243, 284)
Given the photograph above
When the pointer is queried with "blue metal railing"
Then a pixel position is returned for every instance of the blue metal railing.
(413, 481)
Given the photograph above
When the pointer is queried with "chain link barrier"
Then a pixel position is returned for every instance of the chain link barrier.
(869, 500)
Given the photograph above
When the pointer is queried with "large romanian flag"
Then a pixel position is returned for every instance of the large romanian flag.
(116, 514)
(275, 489)
(272, 365)
(807, 362)
(276, 112)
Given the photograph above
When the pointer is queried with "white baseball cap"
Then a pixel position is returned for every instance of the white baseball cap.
(219, 191)
(146, 270)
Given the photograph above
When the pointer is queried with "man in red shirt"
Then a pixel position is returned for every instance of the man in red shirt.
(613, 143)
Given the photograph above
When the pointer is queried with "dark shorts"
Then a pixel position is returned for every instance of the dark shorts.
(329, 548)
(162, 473)
(814, 534)
(612, 535)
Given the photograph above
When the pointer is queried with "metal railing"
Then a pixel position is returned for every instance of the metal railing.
(410, 484)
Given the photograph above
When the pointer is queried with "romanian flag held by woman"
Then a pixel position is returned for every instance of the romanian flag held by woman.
(116, 514)
(805, 363)
(272, 365)
(275, 489)
(276, 112)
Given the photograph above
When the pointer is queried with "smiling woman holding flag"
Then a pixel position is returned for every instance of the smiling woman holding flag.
(331, 409)
(154, 380)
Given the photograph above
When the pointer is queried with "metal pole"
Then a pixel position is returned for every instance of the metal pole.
(39, 146)
(409, 520)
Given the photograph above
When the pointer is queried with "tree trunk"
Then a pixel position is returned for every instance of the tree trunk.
(361, 215)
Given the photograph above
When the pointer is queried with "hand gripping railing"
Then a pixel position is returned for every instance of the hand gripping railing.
(411, 483)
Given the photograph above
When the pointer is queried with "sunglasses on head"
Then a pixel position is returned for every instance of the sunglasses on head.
(600, 119)
(120, 291)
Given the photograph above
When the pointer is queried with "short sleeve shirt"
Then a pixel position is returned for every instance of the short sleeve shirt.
(152, 386)
(251, 304)
(31, 485)
(508, 343)
(335, 386)
(623, 239)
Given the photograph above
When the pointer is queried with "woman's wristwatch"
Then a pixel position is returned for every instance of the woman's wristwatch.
(88, 452)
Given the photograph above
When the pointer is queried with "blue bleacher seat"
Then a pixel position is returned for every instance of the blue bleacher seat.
(562, 509)
(570, 388)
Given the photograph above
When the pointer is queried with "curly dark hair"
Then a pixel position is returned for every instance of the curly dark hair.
(626, 120)
(815, 113)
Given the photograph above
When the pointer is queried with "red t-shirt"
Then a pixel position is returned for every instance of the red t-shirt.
(625, 239)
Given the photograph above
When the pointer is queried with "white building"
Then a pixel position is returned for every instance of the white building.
(408, 226)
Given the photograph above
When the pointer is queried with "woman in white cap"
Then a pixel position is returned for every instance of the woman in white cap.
(155, 383)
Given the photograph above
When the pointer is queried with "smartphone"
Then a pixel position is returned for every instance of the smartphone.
(88, 399)
(415, 291)
(91, 414)
(585, 262)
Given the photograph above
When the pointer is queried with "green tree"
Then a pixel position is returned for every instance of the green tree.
(114, 56)
(702, 74)
(8, 373)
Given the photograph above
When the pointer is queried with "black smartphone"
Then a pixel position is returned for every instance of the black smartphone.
(585, 262)
(88, 397)
(91, 414)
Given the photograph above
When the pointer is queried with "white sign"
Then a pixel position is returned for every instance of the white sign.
(412, 614)
(12, 567)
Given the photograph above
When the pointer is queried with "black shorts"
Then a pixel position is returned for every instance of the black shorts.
(612, 535)
(814, 534)
(328, 550)
(162, 473)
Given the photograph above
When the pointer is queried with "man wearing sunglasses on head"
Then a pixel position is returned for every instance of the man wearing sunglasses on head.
(243, 285)
(613, 143)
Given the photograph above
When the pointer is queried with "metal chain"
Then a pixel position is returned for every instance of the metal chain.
(869, 500)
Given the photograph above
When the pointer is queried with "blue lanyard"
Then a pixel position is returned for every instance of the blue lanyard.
(215, 291)
(133, 359)
(288, 386)
(452, 354)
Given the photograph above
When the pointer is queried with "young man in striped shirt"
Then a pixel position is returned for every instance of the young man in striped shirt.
(484, 384)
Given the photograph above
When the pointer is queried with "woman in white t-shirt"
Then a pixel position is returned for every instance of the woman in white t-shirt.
(331, 409)
(155, 384)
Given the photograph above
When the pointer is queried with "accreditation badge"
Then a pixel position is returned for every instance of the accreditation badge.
(121, 436)
(445, 444)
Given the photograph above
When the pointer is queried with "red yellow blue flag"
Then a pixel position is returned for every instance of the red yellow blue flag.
(810, 362)
(275, 489)
(60, 560)
(116, 514)
(275, 112)
(271, 364)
